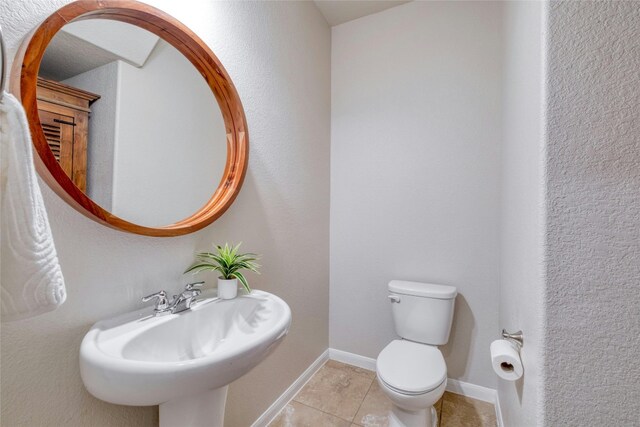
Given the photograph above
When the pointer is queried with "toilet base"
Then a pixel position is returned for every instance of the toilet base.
(399, 417)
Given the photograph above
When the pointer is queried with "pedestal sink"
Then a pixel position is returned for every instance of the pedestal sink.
(182, 362)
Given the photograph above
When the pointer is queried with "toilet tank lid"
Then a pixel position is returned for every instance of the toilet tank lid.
(422, 289)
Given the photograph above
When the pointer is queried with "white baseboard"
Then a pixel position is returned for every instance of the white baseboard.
(290, 393)
(454, 386)
(352, 359)
(471, 390)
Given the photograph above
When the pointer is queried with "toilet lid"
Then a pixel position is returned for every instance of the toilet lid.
(410, 367)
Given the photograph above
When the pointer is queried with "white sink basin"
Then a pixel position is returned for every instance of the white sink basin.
(182, 362)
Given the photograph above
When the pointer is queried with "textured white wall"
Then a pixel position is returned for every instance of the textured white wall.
(415, 167)
(521, 266)
(592, 374)
(278, 54)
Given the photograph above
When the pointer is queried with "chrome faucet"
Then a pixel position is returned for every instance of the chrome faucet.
(162, 303)
(178, 303)
(187, 298)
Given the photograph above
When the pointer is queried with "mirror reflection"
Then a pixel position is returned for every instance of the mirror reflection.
(131, 121)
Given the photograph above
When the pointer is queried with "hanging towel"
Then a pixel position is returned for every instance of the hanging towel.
(30, 275)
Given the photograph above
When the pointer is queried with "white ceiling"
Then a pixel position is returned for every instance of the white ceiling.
(81, 46)
(340, 11)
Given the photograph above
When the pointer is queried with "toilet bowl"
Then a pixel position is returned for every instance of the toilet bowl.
(414, 377)
(411, 371)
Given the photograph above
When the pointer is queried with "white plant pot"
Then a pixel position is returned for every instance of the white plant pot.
(227, 288)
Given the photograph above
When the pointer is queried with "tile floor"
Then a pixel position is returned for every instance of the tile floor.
(340, 395)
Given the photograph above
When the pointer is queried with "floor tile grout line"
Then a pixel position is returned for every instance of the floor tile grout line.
(293, 399)
(441, 418)
(338, 416)
(368, 377)
(362, 401)
(325, 412)
(351, 421)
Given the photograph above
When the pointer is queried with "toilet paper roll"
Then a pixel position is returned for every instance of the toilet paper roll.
(505, 358)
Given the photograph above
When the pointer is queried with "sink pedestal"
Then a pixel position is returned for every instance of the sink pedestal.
(204, 409)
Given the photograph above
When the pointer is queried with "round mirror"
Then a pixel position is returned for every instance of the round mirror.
(135, 122)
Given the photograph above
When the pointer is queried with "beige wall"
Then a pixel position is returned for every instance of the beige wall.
(522, 210)
(278, 54)
(415, 168)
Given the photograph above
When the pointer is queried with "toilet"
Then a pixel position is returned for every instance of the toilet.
(411, 371)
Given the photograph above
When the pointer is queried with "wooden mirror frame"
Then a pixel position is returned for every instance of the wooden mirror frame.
(24, 78)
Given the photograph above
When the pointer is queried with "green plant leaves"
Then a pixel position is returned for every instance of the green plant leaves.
(242, 280)
(228, 262)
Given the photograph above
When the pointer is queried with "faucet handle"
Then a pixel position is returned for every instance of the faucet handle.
(191, 286)
(161, 304)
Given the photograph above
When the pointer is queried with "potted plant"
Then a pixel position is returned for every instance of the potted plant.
(229, 263)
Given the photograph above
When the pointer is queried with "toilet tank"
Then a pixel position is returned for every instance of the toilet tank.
(422, 312)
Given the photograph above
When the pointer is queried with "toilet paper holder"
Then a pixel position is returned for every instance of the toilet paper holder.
(516, 337)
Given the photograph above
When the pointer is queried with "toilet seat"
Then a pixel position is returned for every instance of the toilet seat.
(411, 368)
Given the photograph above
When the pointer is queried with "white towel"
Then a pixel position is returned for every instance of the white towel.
(30, 275)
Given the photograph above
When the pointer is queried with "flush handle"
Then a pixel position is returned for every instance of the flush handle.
(394, 298)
